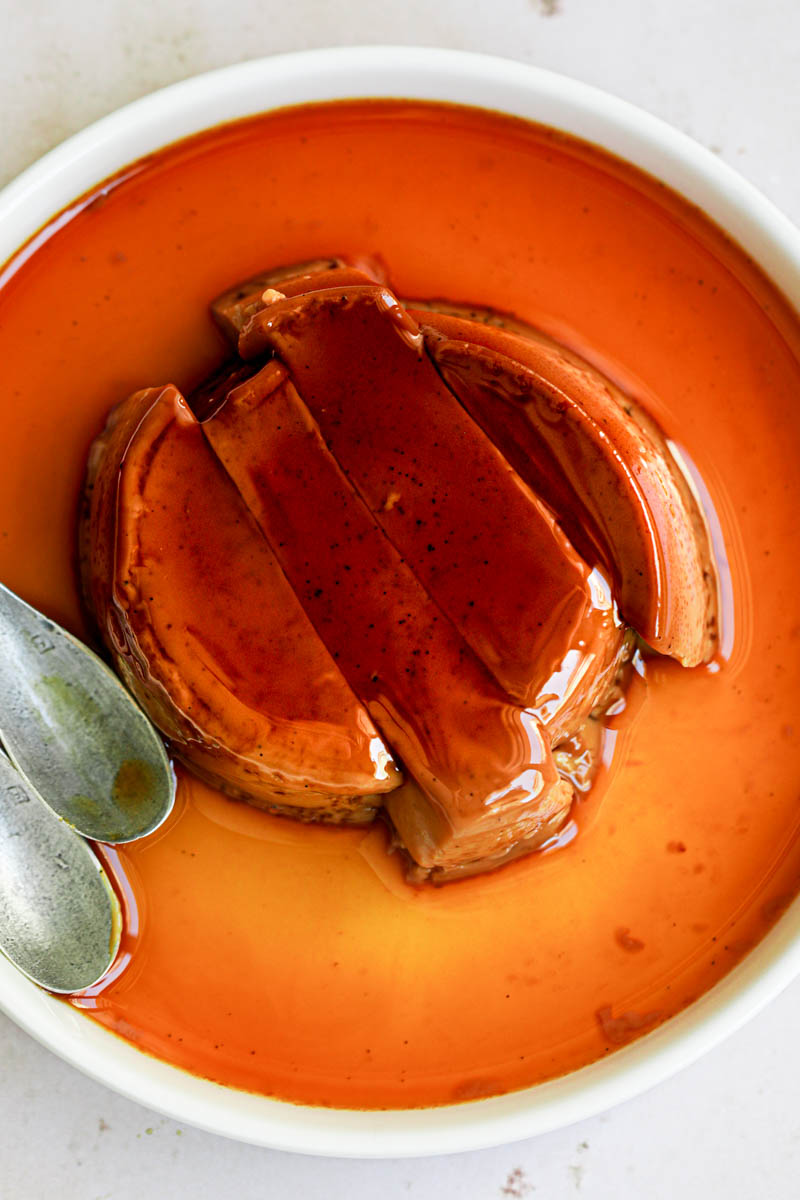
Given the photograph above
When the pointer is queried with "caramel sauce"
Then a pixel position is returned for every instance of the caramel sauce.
(297, 961)
(427, 695)
(484, 547)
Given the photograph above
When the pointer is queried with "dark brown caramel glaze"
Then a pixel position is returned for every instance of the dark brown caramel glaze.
(480, 763)
(601, 464)
(483, 546)
(234, 308)
(411, 555)
(205, 630)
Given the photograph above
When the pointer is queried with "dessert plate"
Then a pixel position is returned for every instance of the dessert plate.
(51, 186)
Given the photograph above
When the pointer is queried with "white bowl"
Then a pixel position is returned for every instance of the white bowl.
(509, 87)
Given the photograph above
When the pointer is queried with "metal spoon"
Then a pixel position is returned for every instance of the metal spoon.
(75, 734)
(60, 919)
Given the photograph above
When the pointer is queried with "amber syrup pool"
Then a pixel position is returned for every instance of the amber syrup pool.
(297, 962)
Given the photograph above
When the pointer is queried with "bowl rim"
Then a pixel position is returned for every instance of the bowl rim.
(88, 158)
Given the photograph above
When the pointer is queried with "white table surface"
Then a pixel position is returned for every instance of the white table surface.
(728, 73)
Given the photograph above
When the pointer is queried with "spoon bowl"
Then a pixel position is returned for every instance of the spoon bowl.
(75, 734)
(60, 919)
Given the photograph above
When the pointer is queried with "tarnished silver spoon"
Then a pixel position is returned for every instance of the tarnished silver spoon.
(75, 734)
(60, 919)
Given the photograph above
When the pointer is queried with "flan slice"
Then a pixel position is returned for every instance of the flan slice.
(482, 766)
(484, 547)
(207, 633)
(600, 463)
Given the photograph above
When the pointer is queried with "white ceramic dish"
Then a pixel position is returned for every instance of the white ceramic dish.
(61, 176)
